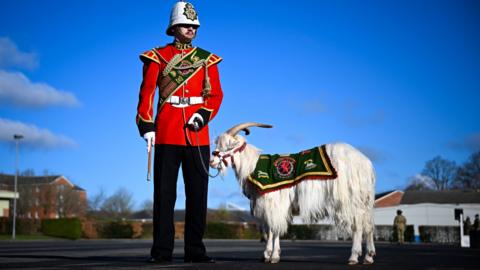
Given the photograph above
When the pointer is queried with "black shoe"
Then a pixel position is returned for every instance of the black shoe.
(198, 259)
(159, 260)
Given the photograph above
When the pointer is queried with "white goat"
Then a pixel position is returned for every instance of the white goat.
(347, 200)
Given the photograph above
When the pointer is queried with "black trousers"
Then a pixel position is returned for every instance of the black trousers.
(167, 161)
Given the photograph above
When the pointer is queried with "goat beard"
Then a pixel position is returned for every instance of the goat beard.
(221, 167)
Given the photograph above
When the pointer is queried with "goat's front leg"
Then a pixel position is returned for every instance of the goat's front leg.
(267, 254)
(276, 249)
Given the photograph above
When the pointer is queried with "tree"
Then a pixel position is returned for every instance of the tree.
(25, 201)
(468, 175)
(119, 205)
(27, 172)
(442, 172)
(147, 205)
(96, 201)
(69, 202)
(420, 182)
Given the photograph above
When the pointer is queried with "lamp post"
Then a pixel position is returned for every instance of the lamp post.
(17, 138)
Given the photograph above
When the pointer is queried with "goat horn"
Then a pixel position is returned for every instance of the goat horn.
(244, 126)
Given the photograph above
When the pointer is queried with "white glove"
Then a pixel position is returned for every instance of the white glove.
(150, 138)
(196, 121)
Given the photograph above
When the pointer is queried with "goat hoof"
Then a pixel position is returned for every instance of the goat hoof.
(275, 260)
(265, 260)
(352, 262)
(367, 262)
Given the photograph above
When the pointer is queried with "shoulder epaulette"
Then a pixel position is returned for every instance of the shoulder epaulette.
(213, 59)
(152, 55)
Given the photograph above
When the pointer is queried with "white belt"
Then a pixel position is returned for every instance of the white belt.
(181, 102)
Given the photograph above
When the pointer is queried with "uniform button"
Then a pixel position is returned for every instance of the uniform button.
(186, 91)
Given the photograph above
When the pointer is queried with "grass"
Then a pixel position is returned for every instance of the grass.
(27, 237)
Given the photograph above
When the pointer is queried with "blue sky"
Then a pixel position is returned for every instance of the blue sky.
(399, 80)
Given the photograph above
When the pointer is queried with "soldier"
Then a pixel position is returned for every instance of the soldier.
(399, 223)
(467, 226)
(476, 223)
(189, 98)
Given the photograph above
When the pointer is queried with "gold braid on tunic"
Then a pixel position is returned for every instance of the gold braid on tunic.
(207, 87)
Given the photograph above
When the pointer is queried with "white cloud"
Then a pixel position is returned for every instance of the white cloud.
(33, 136)
(17, 89)
(10, 56)
(421, 182)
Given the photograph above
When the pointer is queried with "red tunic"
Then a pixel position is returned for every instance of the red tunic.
(170, 122)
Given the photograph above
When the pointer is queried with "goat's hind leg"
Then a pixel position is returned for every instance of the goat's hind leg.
(356, 245)
(370, 248)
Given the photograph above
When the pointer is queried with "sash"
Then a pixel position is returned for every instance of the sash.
(179, 70)
(274, 172)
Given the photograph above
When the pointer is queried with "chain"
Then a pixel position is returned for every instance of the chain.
(202, 161)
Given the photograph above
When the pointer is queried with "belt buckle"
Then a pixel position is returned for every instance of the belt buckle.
(183, 100)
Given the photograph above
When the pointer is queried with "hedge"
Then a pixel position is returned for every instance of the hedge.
(23, 226)
(222, 230)
(408, 235)
(301, 232)
(116, 229)
(70, 228)
(439, 234)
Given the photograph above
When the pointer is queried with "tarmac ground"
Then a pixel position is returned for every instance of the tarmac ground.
(229, 254)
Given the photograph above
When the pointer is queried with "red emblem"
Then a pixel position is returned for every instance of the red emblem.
(284, 167)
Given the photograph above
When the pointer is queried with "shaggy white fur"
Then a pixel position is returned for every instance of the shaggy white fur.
(348, 200)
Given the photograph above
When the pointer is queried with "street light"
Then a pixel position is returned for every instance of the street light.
(17, 138)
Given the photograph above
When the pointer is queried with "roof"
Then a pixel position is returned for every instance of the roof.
(8, 180)
(388, 199)
(380, 195)
(441, 197)
(75, 187)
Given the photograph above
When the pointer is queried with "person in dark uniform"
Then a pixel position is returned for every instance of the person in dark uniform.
(476, 223)
(189, 98)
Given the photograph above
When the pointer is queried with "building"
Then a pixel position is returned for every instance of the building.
(45, 196)
(5, 197)
(431, 208)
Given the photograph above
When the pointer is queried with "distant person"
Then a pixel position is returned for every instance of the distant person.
(467, 226)
(399, 225)
(476, 223)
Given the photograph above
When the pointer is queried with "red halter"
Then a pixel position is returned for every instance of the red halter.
(229, 154)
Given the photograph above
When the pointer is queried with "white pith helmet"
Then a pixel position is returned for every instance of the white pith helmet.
(182, 13)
